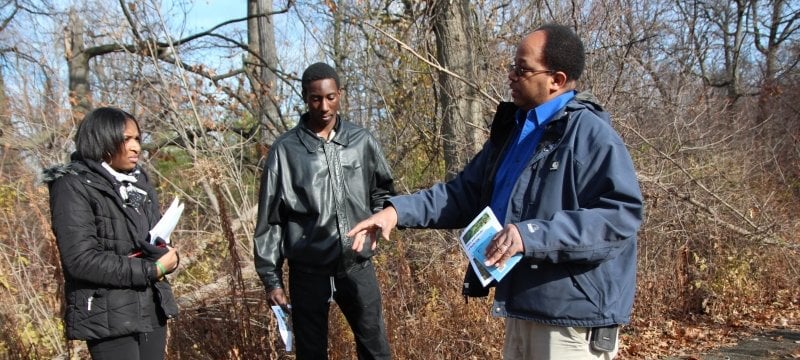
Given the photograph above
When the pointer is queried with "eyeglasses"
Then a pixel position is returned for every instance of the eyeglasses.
(519, 70)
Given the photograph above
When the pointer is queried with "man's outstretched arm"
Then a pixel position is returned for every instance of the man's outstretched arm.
(385, 220)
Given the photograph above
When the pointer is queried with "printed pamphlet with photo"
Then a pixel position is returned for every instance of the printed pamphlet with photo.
(284, 325)
(475, 238)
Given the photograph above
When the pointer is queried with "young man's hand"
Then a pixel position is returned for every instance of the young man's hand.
(278, 297)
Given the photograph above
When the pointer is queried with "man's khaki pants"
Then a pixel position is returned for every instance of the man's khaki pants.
(527, 340)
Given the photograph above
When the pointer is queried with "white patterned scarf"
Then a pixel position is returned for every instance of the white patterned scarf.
(131, 195)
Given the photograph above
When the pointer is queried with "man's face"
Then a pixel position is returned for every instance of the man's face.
(322, 98)
(534, 84)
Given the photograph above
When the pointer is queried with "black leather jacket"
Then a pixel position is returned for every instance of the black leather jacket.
(312, 193)
(108, 294)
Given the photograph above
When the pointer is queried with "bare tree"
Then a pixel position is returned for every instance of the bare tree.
(143, 43)
(262, 60)
(78, 59)
(773, 23)
(460, 107)
(718, 30)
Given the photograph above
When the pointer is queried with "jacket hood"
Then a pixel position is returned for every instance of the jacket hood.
(79, 165)
(587, 100)
(56, 172)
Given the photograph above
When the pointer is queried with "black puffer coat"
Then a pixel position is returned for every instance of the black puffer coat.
(108, 293)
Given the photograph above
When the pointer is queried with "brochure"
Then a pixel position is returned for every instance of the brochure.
(284, 326)
(475, 238)
(169, 220)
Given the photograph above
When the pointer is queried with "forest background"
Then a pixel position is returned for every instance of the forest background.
(703, 92)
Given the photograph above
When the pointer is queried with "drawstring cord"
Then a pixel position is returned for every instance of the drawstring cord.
(333, 289)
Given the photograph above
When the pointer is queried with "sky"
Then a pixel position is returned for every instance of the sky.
(206, 13)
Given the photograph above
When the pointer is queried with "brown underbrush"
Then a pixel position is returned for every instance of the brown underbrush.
(718, 259)
(700, 286)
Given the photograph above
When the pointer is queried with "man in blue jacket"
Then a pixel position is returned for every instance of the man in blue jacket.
(563, 184)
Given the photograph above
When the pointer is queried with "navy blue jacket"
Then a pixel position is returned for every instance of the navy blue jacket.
(577, 206)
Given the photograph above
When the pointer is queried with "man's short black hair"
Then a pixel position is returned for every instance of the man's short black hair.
(318, 71)
(101, 133)
(563, 50)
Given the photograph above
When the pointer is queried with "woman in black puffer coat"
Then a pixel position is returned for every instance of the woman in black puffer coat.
(102, 209)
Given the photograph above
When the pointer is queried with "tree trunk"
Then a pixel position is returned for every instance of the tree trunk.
(734, 50)
(770, 87)
(78, 68)
(460, 108)
(339, 53)
(261, 40)
(8, 154)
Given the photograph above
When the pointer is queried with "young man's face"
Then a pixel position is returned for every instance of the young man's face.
(322, 98)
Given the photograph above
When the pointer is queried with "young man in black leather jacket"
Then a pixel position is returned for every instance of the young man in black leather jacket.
(320, 178)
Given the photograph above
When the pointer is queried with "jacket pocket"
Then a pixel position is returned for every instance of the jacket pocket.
(550, 291)
(583, 281)
(166, 299)
(124, 312)
(87, 315)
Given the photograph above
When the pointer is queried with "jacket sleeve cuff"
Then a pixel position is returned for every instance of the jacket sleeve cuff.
(150, 269)
(268, 289)
(272, 283)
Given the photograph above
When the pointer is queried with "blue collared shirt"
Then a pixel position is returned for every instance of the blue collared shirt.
(528, 133)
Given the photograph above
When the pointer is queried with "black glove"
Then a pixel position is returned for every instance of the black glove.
(152, 251)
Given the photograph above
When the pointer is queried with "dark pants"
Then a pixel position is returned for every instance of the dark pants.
(145, 346)
(359, 298)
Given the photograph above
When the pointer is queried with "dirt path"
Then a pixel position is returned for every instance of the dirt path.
(773, 344)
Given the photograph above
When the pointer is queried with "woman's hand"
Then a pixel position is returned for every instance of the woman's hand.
(169, 261)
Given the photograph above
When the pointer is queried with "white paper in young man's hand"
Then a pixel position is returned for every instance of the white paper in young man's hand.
(169, 220)
(284, 326)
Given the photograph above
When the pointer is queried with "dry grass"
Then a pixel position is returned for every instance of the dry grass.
(693, 292)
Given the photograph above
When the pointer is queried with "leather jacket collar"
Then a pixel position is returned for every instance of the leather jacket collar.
(312, 142)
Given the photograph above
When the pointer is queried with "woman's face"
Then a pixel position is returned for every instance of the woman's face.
(128, 154)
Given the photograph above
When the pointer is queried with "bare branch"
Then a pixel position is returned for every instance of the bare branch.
(697, 182)
(436, 66)
(129, 18)
(10, 17)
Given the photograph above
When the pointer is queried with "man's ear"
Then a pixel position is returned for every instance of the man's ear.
(559, 80)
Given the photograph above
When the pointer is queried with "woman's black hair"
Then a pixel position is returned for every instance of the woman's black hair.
(101, 134)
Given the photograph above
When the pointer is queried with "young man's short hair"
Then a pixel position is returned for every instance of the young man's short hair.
(318, 71)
